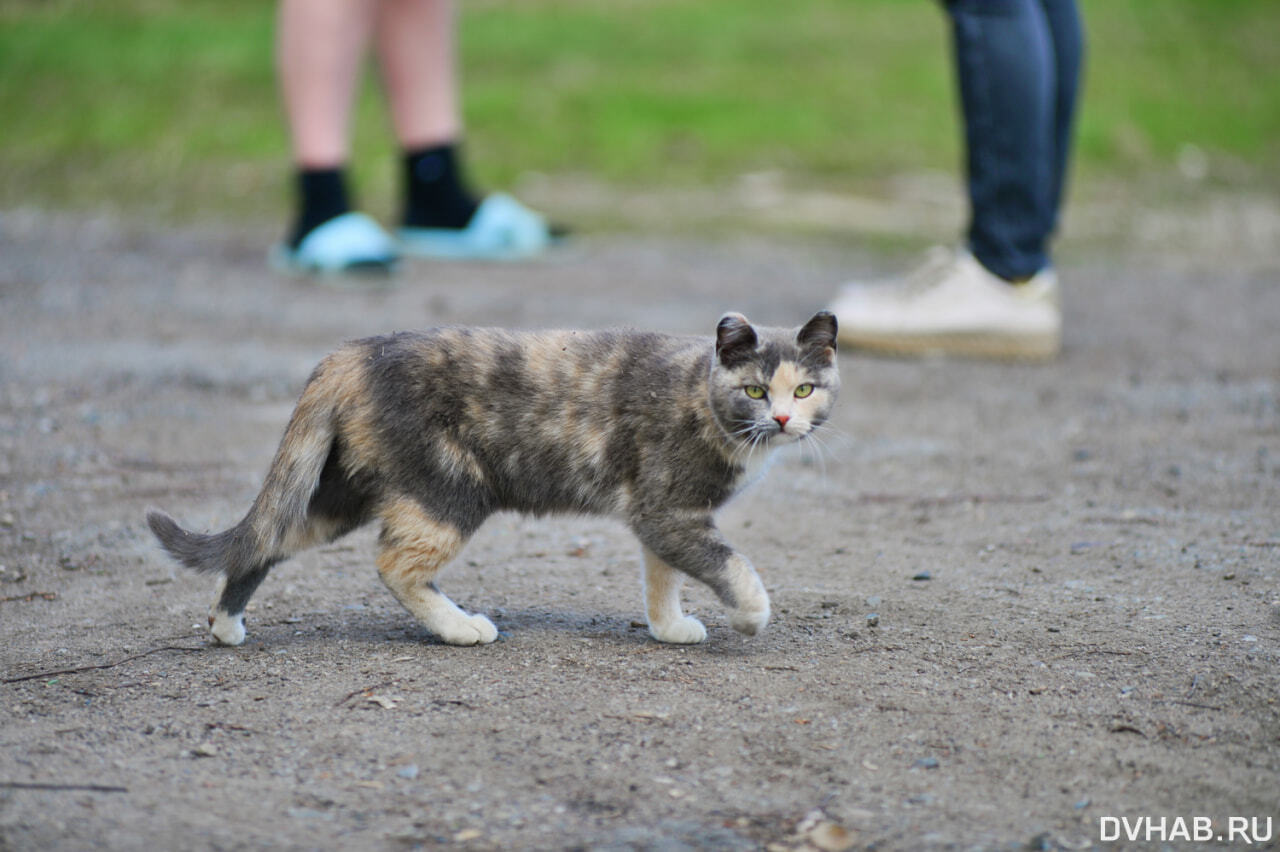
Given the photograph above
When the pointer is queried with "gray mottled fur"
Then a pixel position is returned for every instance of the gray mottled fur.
(458, 423)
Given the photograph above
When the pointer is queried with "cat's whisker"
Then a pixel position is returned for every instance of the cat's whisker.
(814, 444)
(844, 439)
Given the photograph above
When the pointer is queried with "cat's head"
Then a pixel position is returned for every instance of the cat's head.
(772, 386)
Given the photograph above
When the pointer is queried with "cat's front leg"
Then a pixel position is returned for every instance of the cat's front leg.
(667, 621)
(750, 611)
(693, 545)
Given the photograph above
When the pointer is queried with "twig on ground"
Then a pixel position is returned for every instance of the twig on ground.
(1083, 652)
(44, 596)
(227, 726)
(364, 689)
(31, 785)
(445, 702)
(79, 669)
(1186, 703)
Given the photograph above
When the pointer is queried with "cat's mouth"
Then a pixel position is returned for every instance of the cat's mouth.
(787, 433)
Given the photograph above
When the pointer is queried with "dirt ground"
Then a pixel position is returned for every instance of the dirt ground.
(1011, 603)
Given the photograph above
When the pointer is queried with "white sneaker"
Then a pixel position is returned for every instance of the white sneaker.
(952, 305)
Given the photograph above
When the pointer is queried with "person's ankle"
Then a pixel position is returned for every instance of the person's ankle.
(436, 194)
(322, 196)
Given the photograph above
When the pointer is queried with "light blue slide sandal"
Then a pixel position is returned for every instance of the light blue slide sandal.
(350, 243)
(501, 229)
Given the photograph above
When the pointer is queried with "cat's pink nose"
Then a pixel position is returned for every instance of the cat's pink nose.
(782, 420)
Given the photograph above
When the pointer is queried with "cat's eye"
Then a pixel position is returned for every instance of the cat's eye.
(754, 391)
(803, 391)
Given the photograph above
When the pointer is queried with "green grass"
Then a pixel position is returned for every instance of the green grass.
(171, 110)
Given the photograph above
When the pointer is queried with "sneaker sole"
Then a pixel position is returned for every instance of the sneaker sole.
(358, 275)
(983, 345)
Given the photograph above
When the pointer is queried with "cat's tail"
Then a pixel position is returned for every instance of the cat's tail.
(209, 553)
(277, 525)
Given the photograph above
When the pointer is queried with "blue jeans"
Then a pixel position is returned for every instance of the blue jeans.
(1018, 67)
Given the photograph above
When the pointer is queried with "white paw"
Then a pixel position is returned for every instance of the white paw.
(750, 620)
(683, 631)
(469, 630)
(227, 629)
(484, 627)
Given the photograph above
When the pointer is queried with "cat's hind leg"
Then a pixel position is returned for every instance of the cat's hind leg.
(414, 547)
(667, 621)
(226, 616)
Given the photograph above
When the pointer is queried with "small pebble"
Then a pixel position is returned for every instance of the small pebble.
(410, 772)
(873, 619)
(831, 837)
(922, 576)
(926, 763)
(1041, 843)
(205, 750)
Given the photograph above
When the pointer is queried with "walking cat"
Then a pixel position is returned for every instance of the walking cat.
(431, 432)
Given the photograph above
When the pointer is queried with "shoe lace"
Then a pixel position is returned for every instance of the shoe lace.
(937, 265)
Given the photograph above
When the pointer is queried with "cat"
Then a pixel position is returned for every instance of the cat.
(431, 432)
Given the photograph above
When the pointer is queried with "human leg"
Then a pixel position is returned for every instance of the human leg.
(1067, 35)
(1007, 82)
(319, 48)
(416, 53)
(442, 215)
(961, 302)
(415, 47)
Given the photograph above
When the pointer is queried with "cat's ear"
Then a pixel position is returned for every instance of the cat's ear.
(735, 339)
(818, 336)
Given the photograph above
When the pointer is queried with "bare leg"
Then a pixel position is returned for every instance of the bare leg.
(415, 41)
(319, 48)
(414, 548)
(667, 621)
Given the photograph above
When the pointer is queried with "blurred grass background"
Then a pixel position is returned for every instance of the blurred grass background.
(169, 111)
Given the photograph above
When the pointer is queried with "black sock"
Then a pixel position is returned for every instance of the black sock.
(322, 195)
(435, 195)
